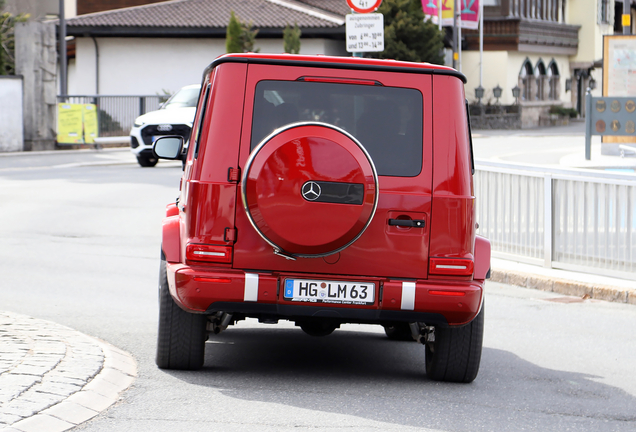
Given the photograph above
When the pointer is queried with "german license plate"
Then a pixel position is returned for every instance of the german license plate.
(321, 291)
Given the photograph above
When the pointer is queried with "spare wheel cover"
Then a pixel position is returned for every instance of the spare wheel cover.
(310, 189)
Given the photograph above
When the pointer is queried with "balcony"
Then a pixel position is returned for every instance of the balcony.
(526, 25)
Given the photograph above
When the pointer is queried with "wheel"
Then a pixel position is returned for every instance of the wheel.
(318, 328)
(147, 161)
(182, 335)
(456, 352)
(399, 332)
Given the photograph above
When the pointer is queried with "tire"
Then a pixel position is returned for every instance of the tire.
(147, 161)
(318, 328)
(182, 335)
(456, 352)
(399, 332)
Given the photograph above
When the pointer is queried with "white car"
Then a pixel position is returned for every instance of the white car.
(175, 117)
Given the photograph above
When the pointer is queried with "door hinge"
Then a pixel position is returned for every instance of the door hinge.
(233, 175)
(230, 235)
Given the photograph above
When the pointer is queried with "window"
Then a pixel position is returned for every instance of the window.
(605, 11)
(540, 76)
(198, 125)
(526, 79)
(386, 120)
(186, 97)
(553, 81)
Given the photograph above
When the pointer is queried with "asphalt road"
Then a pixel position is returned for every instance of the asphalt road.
(79, 245)
(545, 146)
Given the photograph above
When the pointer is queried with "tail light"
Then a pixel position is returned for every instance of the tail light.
(209, 253)
(447, 293)
(451, 266)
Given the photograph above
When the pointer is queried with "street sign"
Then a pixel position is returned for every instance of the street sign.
(609, 116)
(364, 6)
(365, 32)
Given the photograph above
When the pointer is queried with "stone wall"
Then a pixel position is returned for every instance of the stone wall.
(495, 117)
(527, 116)
(36, 61)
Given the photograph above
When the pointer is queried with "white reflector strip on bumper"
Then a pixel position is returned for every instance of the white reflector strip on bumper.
(408, 296)
(251, 287)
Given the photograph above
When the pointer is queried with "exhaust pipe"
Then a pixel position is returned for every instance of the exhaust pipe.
(219, 322)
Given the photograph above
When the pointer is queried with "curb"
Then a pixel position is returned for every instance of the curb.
(55, 408)
(564, 286)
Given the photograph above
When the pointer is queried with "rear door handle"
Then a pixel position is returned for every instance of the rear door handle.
(414, 223)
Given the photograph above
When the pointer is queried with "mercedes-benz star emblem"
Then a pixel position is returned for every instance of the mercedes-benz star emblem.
(311, 191)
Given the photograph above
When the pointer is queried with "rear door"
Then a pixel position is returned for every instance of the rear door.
(390, 115)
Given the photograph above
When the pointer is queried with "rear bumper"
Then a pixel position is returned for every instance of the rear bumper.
(254, 294)
(349, 315)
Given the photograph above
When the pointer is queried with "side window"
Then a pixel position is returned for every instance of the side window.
(195, 137)
(470, 139)
(387, 121)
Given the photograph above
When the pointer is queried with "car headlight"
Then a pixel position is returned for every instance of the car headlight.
(138, 123)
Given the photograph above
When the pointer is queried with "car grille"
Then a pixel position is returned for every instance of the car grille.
(152, 131)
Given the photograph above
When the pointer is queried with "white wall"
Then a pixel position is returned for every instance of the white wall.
(134, 66)
(70, 8)
(494, 73)
(585, 14)
(11, 132)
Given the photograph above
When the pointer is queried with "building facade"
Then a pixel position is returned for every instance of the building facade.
(551, 50)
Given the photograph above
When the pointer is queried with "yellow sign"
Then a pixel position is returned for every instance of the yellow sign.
(70, 124)
(90, 123)
(626, 20)
(76, 123)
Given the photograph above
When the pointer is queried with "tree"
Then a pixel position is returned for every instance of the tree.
(407, 36)
(291, 39)
(233, 35)
(239, 36)
(248, 37)
(7, 41)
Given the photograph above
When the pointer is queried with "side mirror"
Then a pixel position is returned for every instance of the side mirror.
(168, 147)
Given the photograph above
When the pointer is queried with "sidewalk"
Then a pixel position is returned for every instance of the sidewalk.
(53, 378)
(580, 285)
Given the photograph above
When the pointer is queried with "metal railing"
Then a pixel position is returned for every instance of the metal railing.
(116, 114)
(559, 218)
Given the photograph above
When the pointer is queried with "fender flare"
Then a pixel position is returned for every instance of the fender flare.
(171, 241)
(172, 210)
(482, 258)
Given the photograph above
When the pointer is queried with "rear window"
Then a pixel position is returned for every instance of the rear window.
(386, 120)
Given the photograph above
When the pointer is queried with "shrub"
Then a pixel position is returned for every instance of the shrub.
(564, 112)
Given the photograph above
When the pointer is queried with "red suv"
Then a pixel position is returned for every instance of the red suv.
(326, 190)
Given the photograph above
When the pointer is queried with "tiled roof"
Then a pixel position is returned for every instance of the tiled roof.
(338, 7)
(210, 14)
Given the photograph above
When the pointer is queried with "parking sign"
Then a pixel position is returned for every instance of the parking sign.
(365, 32)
